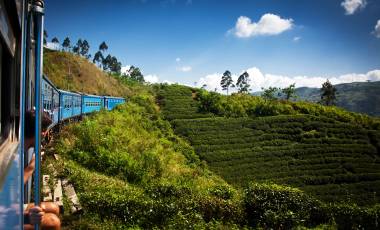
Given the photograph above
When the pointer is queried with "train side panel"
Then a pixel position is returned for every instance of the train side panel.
(69, 104)
(77, 105)
(111, 102)
(50, 99)
(91, 103)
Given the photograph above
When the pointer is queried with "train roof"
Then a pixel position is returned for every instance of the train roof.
(115, 97)
(48, 81)
(68, 92)
(91, 95)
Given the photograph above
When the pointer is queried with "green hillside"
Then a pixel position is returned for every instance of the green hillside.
(327, 152)
(131, 169)
(361, 97)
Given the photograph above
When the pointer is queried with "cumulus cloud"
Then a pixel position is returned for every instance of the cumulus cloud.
(260, 80)
(151, 78)
(269, 24)
(376, 32)
(178, 59)
(352, 6)
(184, 69)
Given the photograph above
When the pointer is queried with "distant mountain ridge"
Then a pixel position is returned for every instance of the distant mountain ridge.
(361, 97)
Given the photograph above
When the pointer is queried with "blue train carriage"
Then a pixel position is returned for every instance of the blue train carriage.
(112, 102)
(69, 105)
(50, 100)
(91, 103)
(20, 73)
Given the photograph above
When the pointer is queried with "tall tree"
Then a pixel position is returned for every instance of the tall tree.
(66, 43)
(135, 74)
(243, 83)
(270, 93)
(328, 93)
(115, 65)
(289, 91)
(55, 41)
(84, 49)
(45, 37)
(226, 81)
(98, 58)
(103, 47)
(107, 62)
(77, 47)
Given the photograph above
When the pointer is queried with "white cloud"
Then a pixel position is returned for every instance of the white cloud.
(151, 78)
(269, 24)
(376, 32)
(125, 69)
(296, 39)
(52, 45)
(260, 80)
(351, 6)
(184, 69)
(178, 59)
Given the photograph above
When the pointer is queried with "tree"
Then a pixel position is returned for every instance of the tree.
(45, 37)
(84, 48)
(328, 93)
(115, 65)
(66, 43)
(107, 62)
(270, 93)
(55, 41)
(135, 74)
(243, 83)
(226, 81)
(290, 91)
(98, 58)
(77, 47)
(103, 47)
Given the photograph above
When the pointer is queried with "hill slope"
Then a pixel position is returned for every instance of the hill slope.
(324, 151)
(361, 97)
(130, 170)
(71, 72)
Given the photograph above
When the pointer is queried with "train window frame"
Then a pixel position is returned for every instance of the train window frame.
(1, 87)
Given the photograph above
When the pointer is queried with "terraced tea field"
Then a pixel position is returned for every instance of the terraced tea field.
(326, 158)
(335, 161)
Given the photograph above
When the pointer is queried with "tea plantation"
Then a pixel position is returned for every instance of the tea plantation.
(328, 158)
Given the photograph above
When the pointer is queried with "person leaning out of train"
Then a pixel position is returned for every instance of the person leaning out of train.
(46, 215)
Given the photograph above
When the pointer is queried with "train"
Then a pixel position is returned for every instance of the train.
(62, 105)
(23, 88)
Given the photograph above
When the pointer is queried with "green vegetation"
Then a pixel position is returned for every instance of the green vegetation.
(130, 168)
(361, 97)
(326, 151)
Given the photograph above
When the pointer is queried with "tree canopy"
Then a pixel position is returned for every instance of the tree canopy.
(328, 93)
(243, 83)
(226, 81)
(66, 43)
(289, 91)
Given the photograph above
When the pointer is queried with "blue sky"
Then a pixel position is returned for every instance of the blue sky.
(187, 41)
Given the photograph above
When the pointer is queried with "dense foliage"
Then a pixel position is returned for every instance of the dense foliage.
(326, 151)
(128, 165)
